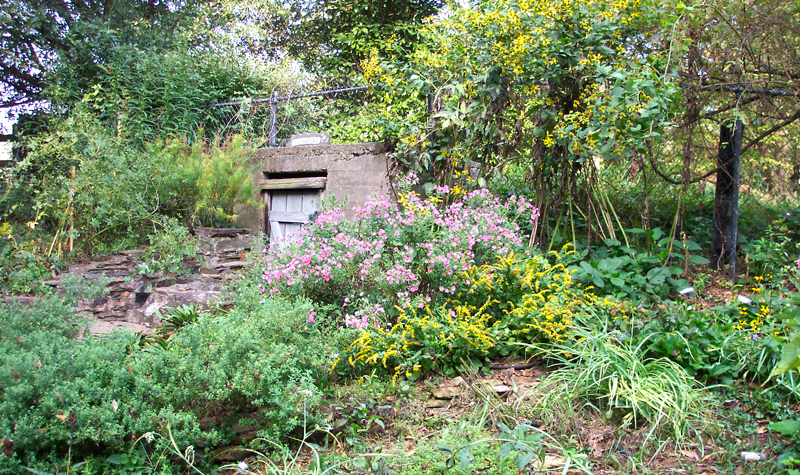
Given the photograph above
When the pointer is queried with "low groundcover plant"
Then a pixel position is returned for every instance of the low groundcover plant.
(252, 365)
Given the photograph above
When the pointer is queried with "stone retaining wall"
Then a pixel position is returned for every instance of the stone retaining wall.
(133, 301)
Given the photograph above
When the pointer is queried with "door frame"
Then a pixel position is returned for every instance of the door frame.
(284, 183)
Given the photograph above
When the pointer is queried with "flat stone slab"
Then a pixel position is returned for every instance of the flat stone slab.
(234, 264)
(101, 327)
(445, 393)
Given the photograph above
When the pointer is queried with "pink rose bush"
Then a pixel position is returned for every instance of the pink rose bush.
(393, 256)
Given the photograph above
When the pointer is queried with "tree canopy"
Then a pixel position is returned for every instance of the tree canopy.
(336, 35)
(38, 37)
(732, 60)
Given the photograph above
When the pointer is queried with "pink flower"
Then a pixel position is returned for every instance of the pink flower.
(311, 315)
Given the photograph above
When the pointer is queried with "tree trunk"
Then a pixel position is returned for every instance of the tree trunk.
(726, 197)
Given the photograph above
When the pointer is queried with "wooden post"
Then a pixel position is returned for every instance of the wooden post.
(726, 197)
(273, 119)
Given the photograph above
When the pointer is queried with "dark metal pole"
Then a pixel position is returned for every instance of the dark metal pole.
(273, 119)
(726, 197)
(431, 120)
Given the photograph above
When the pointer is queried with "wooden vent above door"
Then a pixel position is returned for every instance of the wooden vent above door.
(302, 183)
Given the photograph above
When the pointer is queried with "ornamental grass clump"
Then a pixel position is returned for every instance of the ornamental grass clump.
(617, 378)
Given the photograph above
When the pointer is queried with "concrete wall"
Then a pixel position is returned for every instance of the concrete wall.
(357, 172)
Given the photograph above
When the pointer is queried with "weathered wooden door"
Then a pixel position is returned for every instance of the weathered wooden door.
(289, 210)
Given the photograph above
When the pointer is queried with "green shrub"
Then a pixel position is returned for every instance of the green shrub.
(256, 365)
(251, 366)
(51, 369)
(169, 250)
(224, 179)
(107, 201)
(210, 177)
(771, 259)
(737, 339)
(80, 181)
(617, 270)
(23, 261)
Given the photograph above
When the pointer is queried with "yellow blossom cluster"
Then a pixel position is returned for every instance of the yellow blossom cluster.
(410, 201)
(520, 38)
(6, 231)
(752, 321)
(533, 298)
(562, 73)
(520, 32)
(517, 298)
(443, 330)
(372, 66)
